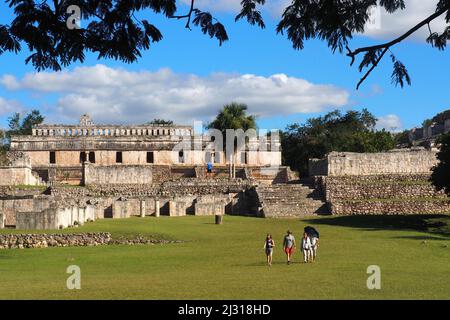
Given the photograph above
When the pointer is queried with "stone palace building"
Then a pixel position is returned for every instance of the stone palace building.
(59, 152)
(87, 172)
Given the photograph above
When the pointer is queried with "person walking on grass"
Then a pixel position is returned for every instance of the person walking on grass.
(313, 235)
(306, 248)
(289, 245)
(314, 247)
(268, 247)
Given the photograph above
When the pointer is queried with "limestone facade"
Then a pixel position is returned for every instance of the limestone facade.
(402, 161)
(67, 147)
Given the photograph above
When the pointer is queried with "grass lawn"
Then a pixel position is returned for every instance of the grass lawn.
(228, 262)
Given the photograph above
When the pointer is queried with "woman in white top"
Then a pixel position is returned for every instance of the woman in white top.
(306, 248)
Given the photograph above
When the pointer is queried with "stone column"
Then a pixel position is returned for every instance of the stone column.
(143, 208)
(157, 208)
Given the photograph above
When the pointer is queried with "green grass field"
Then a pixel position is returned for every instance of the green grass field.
(227, 261)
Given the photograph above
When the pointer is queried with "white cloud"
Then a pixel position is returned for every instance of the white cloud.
(396, 24)
(273, 7)
(391, 25)
(9, 106)
(390, 122)
(118, 95)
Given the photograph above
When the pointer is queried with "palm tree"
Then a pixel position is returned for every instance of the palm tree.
(233, 116)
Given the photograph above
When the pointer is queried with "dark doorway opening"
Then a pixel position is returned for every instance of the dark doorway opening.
(92, 157)
(150, 157)
(52, 157)
(119, 158)
(108, 212)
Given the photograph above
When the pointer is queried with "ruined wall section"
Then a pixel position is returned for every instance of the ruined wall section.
(118, 174)
(18, 171)
(382, 194)
(402, 161)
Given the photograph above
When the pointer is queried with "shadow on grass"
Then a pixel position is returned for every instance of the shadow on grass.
(423, 238)
(433, 224)
(274, 263)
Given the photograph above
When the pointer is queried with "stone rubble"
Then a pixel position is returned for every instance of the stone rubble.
(26, 241)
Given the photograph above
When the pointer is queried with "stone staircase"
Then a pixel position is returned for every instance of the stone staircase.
(290, 200)
(268, 176)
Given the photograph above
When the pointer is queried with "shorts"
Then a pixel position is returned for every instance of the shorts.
(209, 170)
(289, 250)
(269, 251)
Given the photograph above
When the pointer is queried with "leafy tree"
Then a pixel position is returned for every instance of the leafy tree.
(19, 125)
(402, 138)
(352, 132)
(29, 121)
(114, 30)
(441, 172)
(427, 123)
(161, 122)
(441, 117)
(3, 148)
(2, 139)
(233, 116)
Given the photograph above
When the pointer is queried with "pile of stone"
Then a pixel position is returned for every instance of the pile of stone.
(140, 240)
(22, 241)
(25, 241)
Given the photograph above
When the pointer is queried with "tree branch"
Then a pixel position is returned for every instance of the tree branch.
(435, 15)
(386, 46)
(375, 64)
(188, 16)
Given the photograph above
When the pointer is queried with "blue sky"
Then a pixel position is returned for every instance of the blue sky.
(188, 76)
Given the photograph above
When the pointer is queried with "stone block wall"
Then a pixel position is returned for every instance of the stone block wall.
(270, 175)
(118, 174)
(14, 176)
(403, 161)
(178, 207)
(379, 187)
(175, 198)
(211, 205)
(10, 207)
(120, 210)
(54, 218)
(391, 207)
(382, 194)
(18, 171)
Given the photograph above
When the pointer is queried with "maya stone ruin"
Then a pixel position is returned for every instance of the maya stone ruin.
(66, 175)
